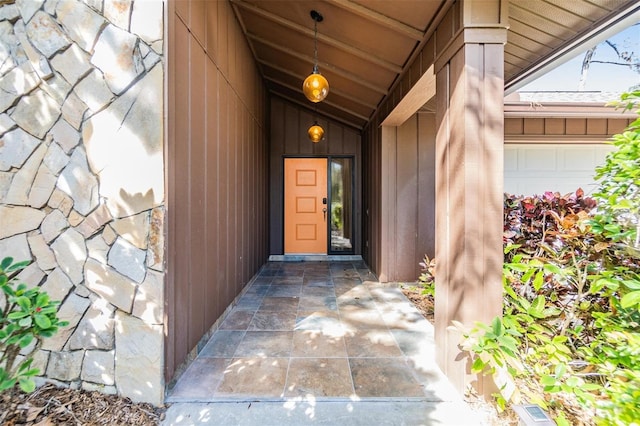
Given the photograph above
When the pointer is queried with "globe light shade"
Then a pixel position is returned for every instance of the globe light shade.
(315, 87)
(316, 133)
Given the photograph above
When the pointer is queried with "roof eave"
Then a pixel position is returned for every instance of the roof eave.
(564, 110)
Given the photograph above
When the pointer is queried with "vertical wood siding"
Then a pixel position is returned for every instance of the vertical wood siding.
(217, 171)
(371, 154)
(399, 188)
(562, 129)
(399, 191)
(289, 125)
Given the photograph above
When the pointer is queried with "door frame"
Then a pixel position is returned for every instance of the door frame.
(353, 206)
(328, 222)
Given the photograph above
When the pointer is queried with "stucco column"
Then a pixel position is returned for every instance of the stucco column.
(469, 177)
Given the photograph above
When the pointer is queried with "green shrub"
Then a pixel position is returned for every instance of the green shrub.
(26, 317)
(570, 329)
(571, 321)
(617, 221)
(618, 216)
(553, 294)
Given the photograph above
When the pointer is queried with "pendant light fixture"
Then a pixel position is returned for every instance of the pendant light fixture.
(315, 86)
(316, 133)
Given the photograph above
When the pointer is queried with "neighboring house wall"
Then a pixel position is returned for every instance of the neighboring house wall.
(555, 154)
(289, 137)
(536, 168)
(82, 183)
(217, 161)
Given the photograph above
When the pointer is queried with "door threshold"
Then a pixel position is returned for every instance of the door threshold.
(315, 258)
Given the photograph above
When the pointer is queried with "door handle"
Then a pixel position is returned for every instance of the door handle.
(324, 213)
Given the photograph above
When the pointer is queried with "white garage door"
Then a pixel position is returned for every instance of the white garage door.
(535, 168)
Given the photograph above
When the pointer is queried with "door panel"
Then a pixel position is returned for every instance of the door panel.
(305, 215)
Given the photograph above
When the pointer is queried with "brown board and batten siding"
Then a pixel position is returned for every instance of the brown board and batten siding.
(399, 182)
(401, 220)
(371, 206)
(561, 130)
(217, 162)
(289, 125)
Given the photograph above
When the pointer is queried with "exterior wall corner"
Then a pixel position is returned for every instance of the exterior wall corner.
(82, 184)
(469, 193)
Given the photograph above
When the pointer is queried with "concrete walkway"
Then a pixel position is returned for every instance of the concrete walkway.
(382, 413)
(318, 343)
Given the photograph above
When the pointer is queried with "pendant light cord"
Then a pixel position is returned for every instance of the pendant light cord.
(315, 47)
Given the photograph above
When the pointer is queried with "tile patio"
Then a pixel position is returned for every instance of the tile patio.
(321, 331)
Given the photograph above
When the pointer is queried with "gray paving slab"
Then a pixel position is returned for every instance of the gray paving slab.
(317, 346)
(299, 413)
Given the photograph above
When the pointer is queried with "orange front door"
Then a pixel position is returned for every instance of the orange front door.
(305, 211)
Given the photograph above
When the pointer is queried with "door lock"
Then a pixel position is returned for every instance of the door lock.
(324, 201)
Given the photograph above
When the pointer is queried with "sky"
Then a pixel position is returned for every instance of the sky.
(600, 77)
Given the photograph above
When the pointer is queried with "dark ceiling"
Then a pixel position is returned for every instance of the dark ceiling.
(364, 46)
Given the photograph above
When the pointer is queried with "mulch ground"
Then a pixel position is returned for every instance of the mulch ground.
(423, 302)
(49, 405)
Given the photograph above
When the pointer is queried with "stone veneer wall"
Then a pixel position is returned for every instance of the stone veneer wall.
(82, 182)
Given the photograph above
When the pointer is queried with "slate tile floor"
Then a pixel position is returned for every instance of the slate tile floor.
(316, 330)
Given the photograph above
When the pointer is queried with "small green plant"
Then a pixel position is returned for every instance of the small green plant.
(427, 277)
(494, 350)
(26, 317)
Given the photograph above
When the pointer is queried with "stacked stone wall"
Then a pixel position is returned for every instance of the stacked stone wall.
(82, 182)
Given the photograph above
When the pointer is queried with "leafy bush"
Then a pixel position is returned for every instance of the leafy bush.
(563, 318)
(570, 331)
(26, 318)
(619, 214)
(617, 221)
(530, 221)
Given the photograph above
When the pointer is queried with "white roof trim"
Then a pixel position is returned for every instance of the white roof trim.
(599, 33)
